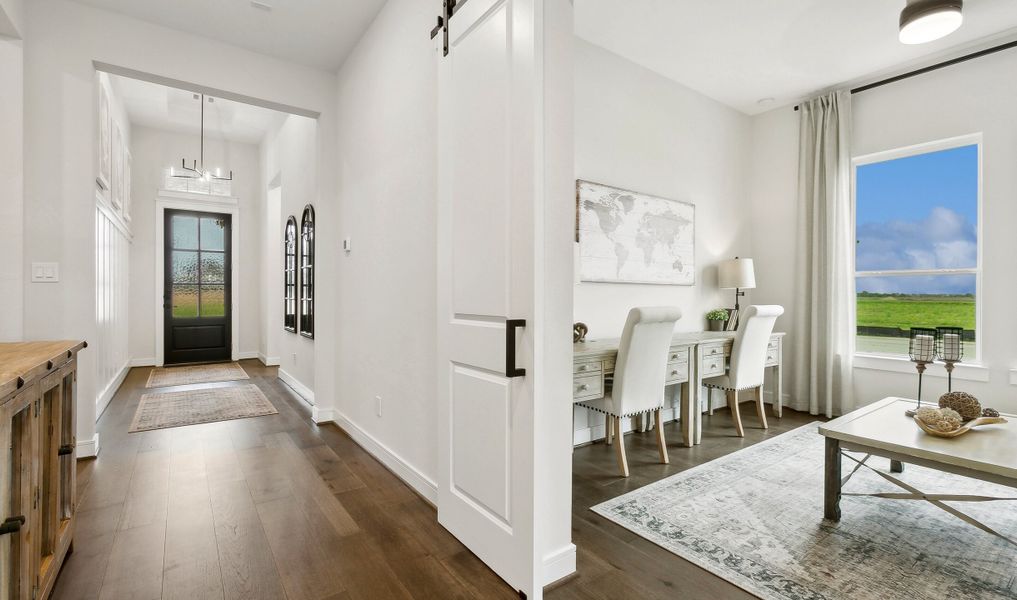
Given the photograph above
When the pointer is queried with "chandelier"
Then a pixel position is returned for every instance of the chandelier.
(197, 169)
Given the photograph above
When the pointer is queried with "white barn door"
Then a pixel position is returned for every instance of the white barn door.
(489, 283)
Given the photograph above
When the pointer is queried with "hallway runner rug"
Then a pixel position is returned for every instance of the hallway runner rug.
(161, 410)
(755, 518)
(170, 376)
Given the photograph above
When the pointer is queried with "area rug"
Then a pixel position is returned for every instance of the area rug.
(754, 518)
(169, 376)
(161, 410)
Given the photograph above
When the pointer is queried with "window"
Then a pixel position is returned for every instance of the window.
(917, 249)
(307, 272)
(290, 275)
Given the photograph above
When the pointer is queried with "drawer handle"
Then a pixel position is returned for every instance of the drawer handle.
(12, 525)
(674, 357)
(584, 387)
(511, 370)
(65, 450)
(674, 372)
(583, 367)
(713, 351)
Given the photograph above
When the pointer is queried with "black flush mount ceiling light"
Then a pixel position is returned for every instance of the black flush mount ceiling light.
(923, 21)
(197, 170)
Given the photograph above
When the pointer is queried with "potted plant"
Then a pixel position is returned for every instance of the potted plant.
(717, 319)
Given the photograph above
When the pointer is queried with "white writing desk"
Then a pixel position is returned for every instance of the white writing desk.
(692, 357)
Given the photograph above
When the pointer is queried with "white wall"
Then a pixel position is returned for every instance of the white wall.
(288, 166)
(11, 188)
(968, 98)
(387, 184)
(637, 130)
(154, 150)
(61, 41)
(12, 17)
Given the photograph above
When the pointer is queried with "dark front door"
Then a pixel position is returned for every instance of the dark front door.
(198, 295)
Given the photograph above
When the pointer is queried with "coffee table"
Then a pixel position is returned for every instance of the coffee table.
(988, 453)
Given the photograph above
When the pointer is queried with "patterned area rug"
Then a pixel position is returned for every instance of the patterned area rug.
(160, 410)
(754, 518)
(160, 377)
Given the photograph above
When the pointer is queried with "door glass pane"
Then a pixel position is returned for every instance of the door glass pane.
(185, 301)
(212, 267)
(212, 234)
(185, 232)
(888, 307)
(185, 267)
(213, 301)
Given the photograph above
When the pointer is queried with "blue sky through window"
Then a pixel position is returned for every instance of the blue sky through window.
(918, 212)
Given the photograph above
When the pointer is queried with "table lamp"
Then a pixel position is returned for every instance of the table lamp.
(738, 275)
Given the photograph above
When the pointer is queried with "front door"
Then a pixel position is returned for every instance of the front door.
(197, 301)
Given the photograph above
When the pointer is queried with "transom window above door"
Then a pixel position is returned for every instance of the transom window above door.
(199, 269)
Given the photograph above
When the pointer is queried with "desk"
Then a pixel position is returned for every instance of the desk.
(691, 357)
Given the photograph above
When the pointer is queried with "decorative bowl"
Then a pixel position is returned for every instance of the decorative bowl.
(966, 427)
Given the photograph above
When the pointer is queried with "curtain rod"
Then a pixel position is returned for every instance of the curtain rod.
(935, 67)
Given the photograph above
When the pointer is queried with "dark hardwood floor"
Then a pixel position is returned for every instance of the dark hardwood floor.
(278, 507)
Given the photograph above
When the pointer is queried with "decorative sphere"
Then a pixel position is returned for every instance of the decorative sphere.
(990, 412)
(964, 403)
(940, 419)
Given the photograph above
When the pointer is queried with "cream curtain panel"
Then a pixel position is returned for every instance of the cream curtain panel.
(824, 310)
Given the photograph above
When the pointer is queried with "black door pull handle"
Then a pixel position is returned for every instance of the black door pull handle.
(11, 525)
(510, 348)
(65, 450)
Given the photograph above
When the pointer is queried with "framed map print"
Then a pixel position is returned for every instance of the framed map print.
(629, 237)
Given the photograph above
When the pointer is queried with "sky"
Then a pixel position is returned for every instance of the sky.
(918, 212)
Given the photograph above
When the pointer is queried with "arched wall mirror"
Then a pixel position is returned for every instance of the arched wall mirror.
(290, 275)
(307, 272)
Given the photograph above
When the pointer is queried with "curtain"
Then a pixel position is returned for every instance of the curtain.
(824, 332)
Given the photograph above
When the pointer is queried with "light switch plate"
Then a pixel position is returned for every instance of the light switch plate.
(347, 245)
(45, 272)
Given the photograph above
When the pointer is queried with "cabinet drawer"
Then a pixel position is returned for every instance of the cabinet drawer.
(771, 357)
(584, 368)
(713, 365)
(773, 345)
(678, 355)
(677, 372)
(713, 349)
(587, 387)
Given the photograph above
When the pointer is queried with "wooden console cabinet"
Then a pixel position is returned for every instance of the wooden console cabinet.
(38, 386)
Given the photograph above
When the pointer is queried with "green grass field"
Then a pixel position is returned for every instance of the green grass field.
(906, 312)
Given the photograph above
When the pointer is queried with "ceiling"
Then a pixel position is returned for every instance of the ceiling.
(171, 109)
(315, 33)
(742, 51)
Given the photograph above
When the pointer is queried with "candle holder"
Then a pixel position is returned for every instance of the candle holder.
(922, 350)
(950, 349)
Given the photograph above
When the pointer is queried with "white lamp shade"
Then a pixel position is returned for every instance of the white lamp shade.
(737, 273)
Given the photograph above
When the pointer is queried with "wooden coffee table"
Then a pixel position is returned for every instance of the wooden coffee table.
(988, 453)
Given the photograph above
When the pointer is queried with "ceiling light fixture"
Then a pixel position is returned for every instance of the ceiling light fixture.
(923, 21)
(197, 171)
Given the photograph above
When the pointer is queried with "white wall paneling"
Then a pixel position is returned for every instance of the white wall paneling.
(112, 275)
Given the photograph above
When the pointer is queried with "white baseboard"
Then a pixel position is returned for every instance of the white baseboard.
(302, 390)
(88, 448)
(269, 361)
(247, 355)
(561, 563)
(321, 415)
(410, 475)
(102, 401)
(143, 362)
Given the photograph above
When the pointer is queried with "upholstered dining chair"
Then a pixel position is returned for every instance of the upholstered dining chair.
(639, 374)
(748, 360)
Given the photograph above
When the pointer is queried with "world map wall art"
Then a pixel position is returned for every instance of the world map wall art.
(628, 237)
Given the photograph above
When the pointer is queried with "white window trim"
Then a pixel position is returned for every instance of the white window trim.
(970, 371)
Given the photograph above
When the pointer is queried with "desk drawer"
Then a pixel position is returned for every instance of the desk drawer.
(773, 344)
(591, 386)
(713, 365)
(713, 349)
(677, 372)
(771, 357)
(678, 355)
(586, 368)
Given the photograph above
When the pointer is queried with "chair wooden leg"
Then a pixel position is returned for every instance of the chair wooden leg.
(709, 401)
(759, 407)
(608, 429)
(732, 403)
(661, 443)
(623, 463)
